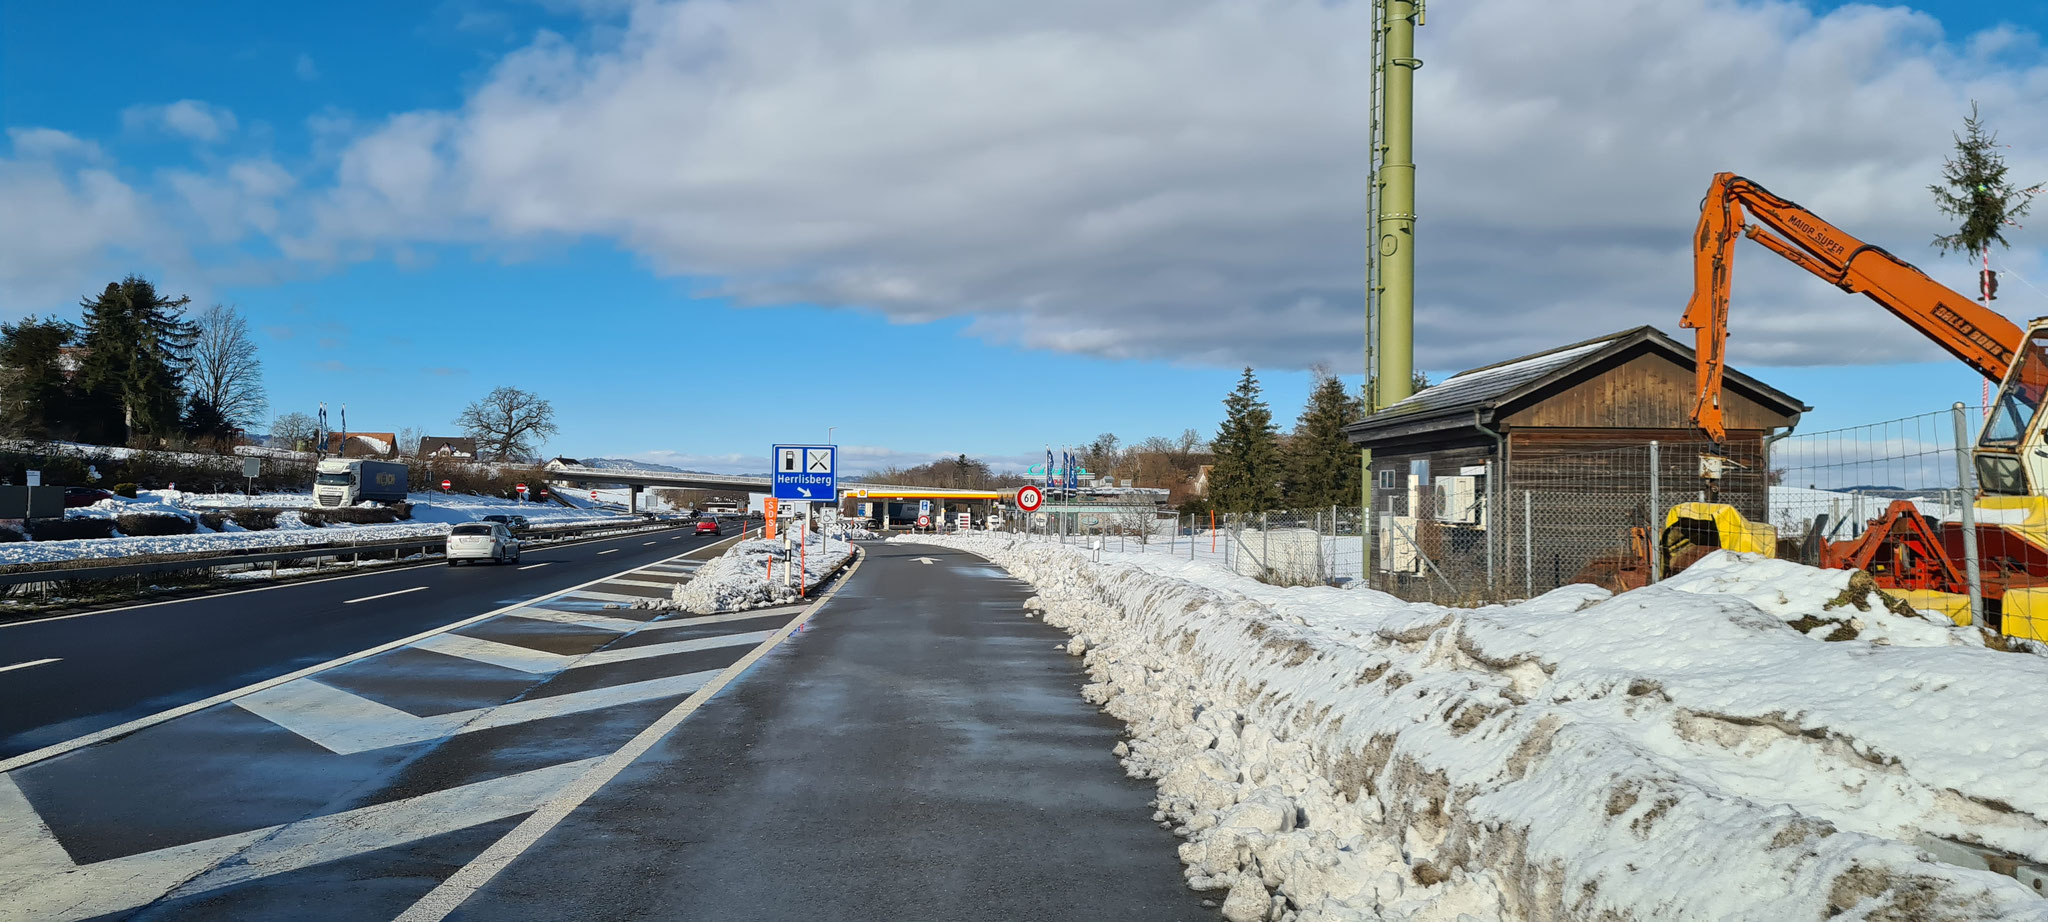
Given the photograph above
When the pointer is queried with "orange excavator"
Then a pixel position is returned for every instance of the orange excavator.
(1903, 549)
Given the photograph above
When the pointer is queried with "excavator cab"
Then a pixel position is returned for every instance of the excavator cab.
(2012, 449)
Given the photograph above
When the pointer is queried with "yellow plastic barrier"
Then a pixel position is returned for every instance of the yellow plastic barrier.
(1953, 605)
(1736, 533)
(2025, 613)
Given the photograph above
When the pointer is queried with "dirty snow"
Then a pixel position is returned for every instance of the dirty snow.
(1691, 751)
(752, 572)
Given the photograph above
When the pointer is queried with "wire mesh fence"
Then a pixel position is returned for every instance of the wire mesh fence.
(1898, 499)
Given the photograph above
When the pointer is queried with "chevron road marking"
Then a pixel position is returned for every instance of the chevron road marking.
(43, 883)
(603, 596)
(525, 659)
(651, 584)
(343, 722)
(580, 619)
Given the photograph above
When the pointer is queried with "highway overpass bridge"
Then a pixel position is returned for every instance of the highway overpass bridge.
(637, 479)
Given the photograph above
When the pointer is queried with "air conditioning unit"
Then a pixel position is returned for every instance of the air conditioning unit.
(1457, 500)
(1397, 551)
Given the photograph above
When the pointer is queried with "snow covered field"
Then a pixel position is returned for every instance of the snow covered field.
(1739, 742)
(431, 515)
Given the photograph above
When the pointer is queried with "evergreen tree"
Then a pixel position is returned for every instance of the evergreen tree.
(137, 350)
(1246, 477)
(204, 422)
(35, 393)
(1322, 465)
(1974, 189)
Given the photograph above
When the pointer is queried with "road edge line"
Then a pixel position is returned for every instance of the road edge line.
(140, 723)
(457, 888)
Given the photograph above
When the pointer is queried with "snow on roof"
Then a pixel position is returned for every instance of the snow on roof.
(1480, 384)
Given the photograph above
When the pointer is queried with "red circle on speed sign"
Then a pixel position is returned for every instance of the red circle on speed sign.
(445, 484)
(1030, 498)
(924, 521)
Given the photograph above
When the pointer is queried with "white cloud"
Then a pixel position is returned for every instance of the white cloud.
(188, 118)
(69, 225)
(1177, 179)
(305, 68)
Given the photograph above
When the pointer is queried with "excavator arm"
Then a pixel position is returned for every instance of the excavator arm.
(1982, 338)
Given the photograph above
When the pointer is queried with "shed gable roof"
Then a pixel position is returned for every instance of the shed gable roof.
(1488, 387)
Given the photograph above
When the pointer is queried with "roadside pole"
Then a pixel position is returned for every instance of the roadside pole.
(1966, 479)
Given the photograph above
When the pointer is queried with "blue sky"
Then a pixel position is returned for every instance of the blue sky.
(405, 271)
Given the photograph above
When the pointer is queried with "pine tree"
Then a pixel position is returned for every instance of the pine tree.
(1321, 463)
(1974, 188)
(35, 393)
(1246, 477)
(137, 349)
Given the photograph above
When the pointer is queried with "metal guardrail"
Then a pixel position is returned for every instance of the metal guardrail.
(91, 569)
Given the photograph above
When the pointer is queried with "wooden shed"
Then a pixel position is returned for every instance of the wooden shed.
(1551, 453)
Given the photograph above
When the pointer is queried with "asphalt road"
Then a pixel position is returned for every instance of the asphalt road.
(113, 666)
(918, 752)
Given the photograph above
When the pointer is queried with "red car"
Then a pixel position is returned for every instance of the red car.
(75, 497)
(710, 527)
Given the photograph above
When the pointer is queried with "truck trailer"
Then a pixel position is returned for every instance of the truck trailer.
(346, 482)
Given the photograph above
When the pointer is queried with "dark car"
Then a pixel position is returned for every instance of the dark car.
(514, 522)
(75, 497)
(710, 527)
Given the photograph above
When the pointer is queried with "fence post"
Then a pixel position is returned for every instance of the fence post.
(1487, 513)
(1966, 478)
(1265, 544)
(1656, 538)
(1528, 547)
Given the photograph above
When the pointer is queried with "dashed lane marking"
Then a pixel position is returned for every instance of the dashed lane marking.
(33, 662)
(42, 882)
(123, 729)
(609, 551)
(344, 722)
(383, 595)
(533, 565)
(646, 544)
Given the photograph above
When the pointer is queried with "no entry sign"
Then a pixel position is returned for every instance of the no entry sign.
(445, 484)
(1029, 498)
(522, 488)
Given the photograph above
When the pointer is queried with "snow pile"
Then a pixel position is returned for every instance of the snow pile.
(751, 575)
(1740, 742)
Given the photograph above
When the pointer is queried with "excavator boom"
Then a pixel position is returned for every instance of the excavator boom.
(1980, 337)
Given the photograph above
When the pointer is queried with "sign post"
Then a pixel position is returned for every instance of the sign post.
(522, 492)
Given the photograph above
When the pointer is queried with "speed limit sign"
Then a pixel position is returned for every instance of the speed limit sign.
(1029, 498)
(924, 521)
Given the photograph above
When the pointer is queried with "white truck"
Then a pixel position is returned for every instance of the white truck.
(348, 481)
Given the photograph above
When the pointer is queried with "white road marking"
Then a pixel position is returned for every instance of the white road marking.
(344, 723)
(639, 582)
(33, 662)
(695, 620)
(611, 551)
(533, 565)
(383, 595)
(124, 729)
(582, 619)
(646, 544)
(540, 662)
(42, 882)
(603, 596)
(451, 893)
(927, 561)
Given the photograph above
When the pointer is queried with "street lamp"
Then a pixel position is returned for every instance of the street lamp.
(828, 433)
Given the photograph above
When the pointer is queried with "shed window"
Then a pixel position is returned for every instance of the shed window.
(1419, 469)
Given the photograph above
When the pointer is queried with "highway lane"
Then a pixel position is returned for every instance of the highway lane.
(79, 674)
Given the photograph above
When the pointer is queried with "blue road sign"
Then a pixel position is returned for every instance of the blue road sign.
(806, 473)
(924, 507)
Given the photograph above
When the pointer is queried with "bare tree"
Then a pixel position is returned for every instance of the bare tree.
(507, 422)
(294, 431)
(409, 440)
(226, 374)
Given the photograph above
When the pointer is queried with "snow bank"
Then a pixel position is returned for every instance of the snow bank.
(740, 578)
(1742, 742)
